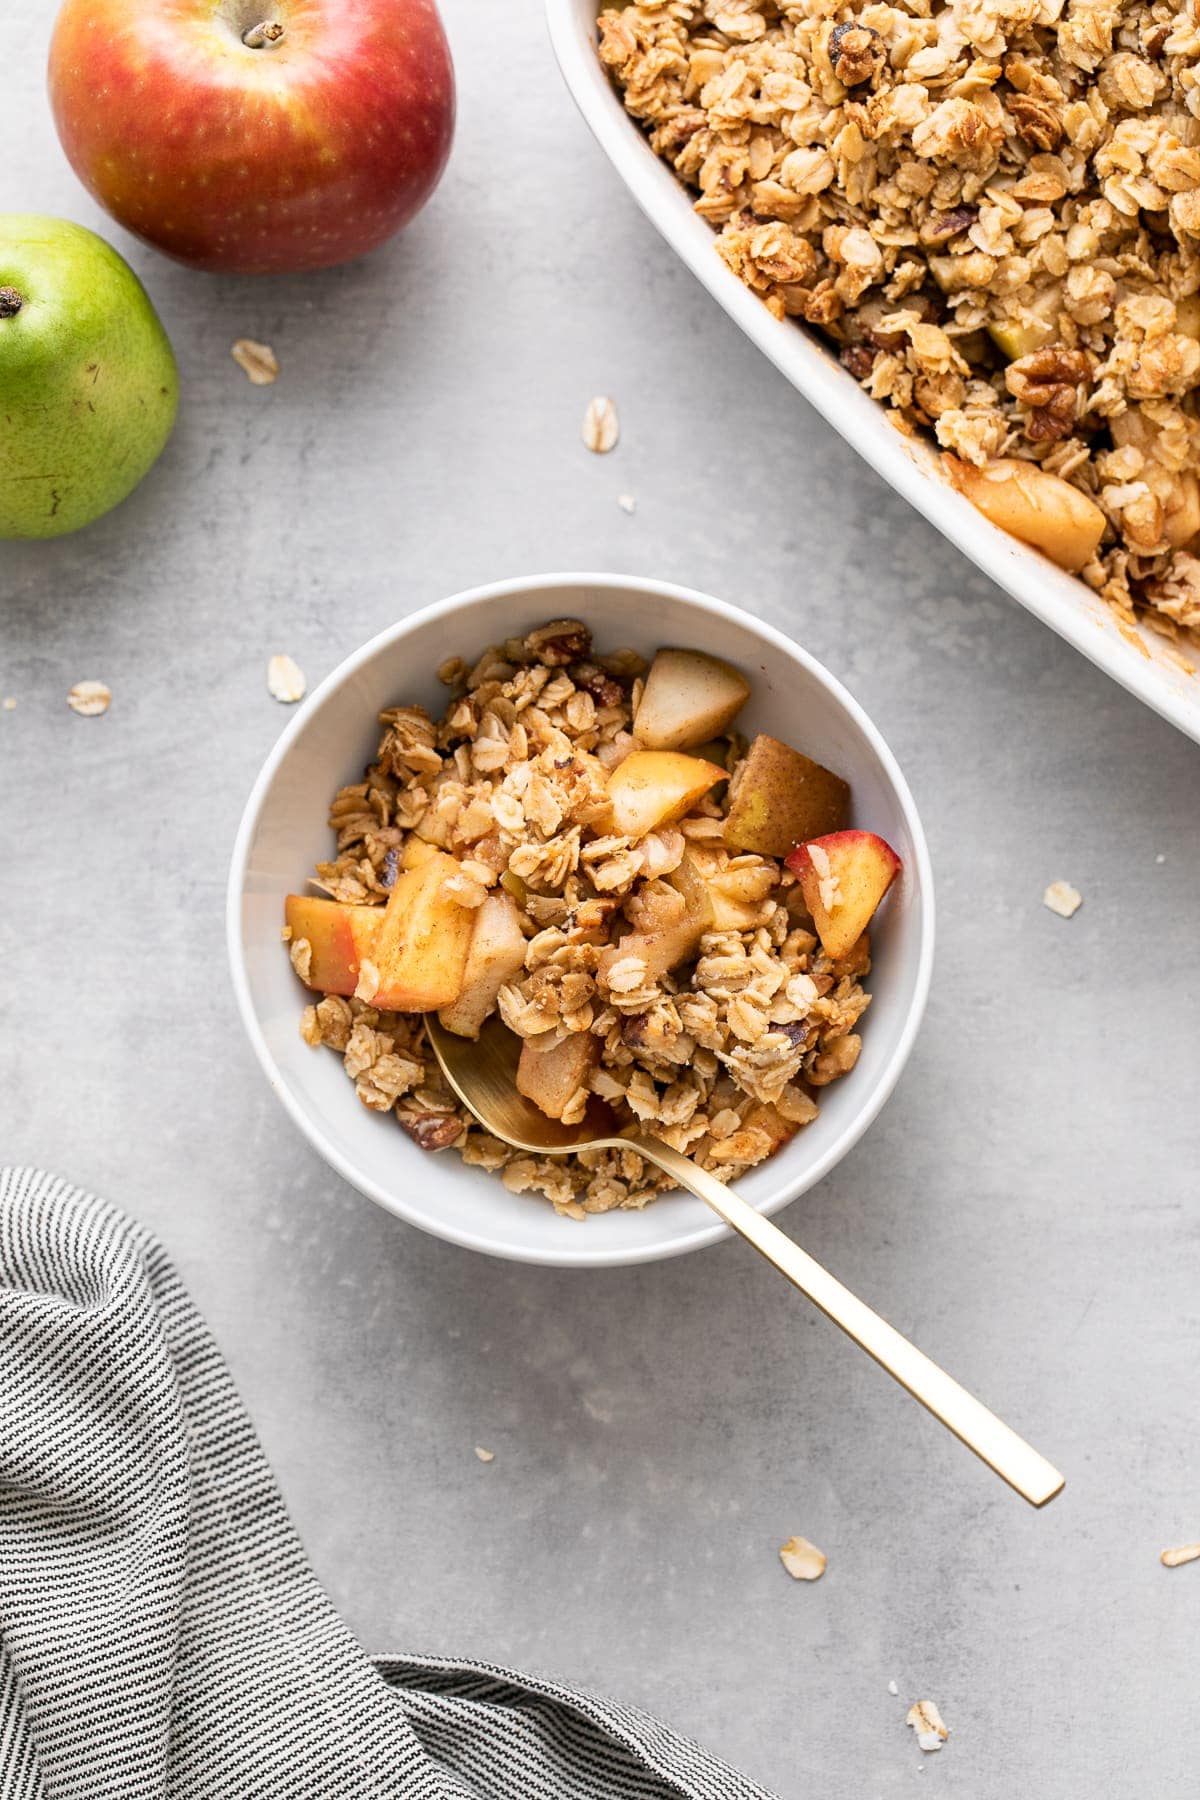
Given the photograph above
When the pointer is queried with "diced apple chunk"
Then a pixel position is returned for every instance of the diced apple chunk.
(1028, 326)
(711, 906)
(656, 787)
(778, 797)
(1033, 504)
(421, 952)
(496, 954)
(552, 1070)
(416, 853)
(688, 697)
(843, 878)
(670, 922)
(339, 936)
(768, 1118)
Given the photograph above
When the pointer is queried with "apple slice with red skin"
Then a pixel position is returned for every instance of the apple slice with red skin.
(340, 936)
(843, 878)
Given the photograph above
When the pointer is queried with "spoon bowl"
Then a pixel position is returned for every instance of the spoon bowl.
(483, 1073)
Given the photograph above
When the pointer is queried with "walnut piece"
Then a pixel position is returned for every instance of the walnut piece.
(1049, 383)
(431, 1130)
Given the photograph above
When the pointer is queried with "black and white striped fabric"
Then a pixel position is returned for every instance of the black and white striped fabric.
(161, 1632)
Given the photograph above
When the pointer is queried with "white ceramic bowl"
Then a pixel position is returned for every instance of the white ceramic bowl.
(334, 735)
(912, 467)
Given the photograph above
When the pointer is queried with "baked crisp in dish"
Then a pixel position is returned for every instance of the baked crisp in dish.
(592, 850)
(992, 208)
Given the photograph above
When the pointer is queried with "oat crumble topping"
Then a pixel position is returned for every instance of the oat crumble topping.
(992, 210)
(721, 1054)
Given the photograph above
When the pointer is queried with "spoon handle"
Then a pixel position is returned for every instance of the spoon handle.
(980, 1430)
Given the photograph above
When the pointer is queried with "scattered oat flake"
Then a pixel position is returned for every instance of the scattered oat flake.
(802, 1560)
(89, 699)
(627, 503)
(10, 704)
(285, 680)
(484, 1455)
(926, 1721)
(1062, 899)
(892, 1688)
(258, 360)
(601, 428)
(1186, 1553)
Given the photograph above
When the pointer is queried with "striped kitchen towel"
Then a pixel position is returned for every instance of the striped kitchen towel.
(161, 1632)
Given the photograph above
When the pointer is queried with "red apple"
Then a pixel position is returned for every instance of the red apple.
(255, 136)
(843, 877)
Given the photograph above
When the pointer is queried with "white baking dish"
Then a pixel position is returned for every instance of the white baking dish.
(1059, 600)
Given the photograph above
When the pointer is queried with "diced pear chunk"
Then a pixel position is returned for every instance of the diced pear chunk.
(778, 797)
(339, 936)
(496, 954)
(656, 787)
(688, 697)
(421, 952)
(552, 1070)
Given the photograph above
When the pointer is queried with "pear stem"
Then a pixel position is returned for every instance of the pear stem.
(259, 36)
(10, 303)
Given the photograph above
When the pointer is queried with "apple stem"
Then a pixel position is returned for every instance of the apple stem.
(259, 36)
(10, 303)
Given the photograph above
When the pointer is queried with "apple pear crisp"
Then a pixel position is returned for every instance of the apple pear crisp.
(586, 846)
(992, 210)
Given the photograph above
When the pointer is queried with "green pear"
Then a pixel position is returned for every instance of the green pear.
(88, 383)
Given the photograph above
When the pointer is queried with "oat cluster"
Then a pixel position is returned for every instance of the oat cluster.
(991, 206)
(722, 1058)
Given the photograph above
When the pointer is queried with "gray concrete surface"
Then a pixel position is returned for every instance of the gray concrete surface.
(1026, 1206)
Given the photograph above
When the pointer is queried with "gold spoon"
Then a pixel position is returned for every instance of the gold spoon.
(483, 1073)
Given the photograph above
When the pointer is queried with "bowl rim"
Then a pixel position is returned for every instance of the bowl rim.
(574, 1253)
(1074, 613)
